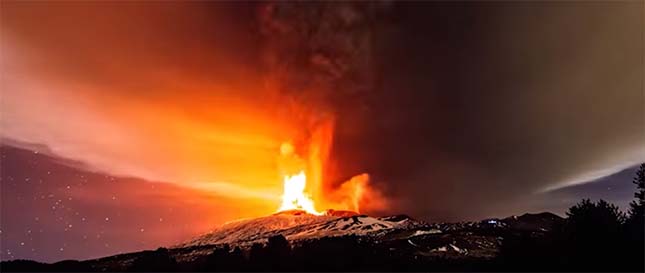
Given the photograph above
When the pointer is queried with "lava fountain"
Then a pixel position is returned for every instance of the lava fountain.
(295, 196)
(304, 183)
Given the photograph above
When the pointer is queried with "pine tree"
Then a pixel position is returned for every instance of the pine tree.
(635, 225)
(636, 210)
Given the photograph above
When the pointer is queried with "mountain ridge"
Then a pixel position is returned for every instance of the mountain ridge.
(298, 225)
(397, 238)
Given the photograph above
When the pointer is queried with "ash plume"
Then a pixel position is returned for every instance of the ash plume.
(454, 110)
(317, 55)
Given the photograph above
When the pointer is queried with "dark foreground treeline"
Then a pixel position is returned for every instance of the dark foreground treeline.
(595, 236)
(520, 252)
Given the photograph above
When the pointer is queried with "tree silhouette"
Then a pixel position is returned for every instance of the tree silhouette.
(277, 251)
(635, 225)
(158, 260)
(223, 259)
(587, 213)
(592, 235)
(636, 207)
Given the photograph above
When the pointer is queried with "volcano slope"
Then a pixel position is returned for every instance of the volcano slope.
(346, 241)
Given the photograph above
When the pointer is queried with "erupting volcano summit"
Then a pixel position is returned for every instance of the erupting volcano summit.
(304, 187)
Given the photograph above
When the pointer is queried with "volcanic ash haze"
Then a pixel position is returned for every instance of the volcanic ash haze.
(436, 103)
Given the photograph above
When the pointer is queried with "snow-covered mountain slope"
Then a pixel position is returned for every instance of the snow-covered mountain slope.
(400, 233)
(318, 238)
(297, 225)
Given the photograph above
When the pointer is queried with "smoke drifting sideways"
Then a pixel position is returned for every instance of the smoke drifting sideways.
(162, 91)
(456, 111)
(495, 105)
(185, 93)
(462, 111)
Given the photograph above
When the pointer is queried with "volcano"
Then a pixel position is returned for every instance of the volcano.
(298, 225)
(333, 241)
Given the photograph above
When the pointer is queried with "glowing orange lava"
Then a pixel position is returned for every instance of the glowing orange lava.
(305, 175)
(294, 196)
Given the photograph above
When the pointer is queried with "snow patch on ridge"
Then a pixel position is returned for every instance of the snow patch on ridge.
(299, 226)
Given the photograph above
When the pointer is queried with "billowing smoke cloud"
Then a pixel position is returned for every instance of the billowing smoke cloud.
(477, 109)
(447, 106)
(454, 110)
(318, 55)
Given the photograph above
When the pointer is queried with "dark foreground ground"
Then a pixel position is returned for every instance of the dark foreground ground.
(532, 242)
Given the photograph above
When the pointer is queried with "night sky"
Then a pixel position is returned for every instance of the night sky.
(129, 126)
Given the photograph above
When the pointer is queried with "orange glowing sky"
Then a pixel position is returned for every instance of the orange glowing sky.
(193, 94)
(157, 99)
(124, 98)
(438, 110)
